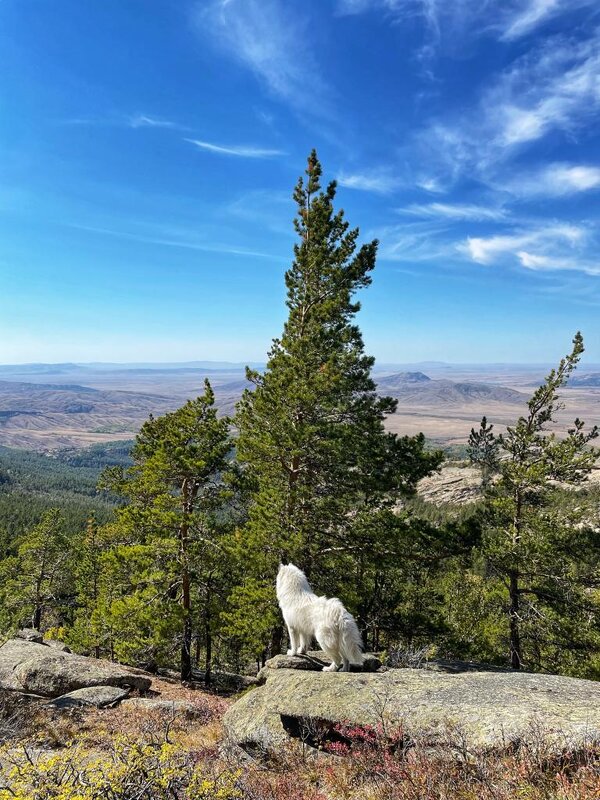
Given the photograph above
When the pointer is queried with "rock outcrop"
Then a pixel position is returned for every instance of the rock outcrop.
(314, 661)
(490, 709)
(96, 696)
(36, 668)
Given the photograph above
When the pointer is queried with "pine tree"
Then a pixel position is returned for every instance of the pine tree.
(482, 449)
(531, 538)
(34, 577)
(167, 531)
(88, 575)
(311, 434)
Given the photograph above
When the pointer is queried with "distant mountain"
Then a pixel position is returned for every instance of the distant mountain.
(40, 369)
(403, 379)
(12, 371)
(590, 380)
(413, 388)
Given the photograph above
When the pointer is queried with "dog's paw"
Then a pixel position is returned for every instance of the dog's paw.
(330, 668)
(291, 652)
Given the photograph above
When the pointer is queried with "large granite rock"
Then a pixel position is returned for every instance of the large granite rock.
(314, 661)
(490, 709)
(27, 666)
(96, 696)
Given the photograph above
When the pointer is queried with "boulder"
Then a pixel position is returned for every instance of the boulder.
(97, 696)
(314, 661)
(29, 635)
(58, 645)
(36, 668)
(488, 709)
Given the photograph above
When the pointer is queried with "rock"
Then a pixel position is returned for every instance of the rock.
(31, 667)
(58, 645)
(451, 484)
(29, 635)
(490, 709)
(98, 696)
(314, 661)
(167, 707)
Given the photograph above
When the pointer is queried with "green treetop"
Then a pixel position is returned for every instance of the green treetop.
(531, 538)
(168, 530)
(311, 434)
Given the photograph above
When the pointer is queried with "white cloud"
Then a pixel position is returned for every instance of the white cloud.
(378, 181)
(454, 211)
(430, 184)
(241, 151)
(415, 242)
(270, 39)
(173, 238)
(128, 121)
(554, 88)
(551, 247)
(526, 17)
(540, 263)
(507, 20)
(144, 121)
(555, 180)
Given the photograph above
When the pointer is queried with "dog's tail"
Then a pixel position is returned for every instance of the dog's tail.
(351, 640)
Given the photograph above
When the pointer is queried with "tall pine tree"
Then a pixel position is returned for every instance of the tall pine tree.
(170, 527)
(311, 434)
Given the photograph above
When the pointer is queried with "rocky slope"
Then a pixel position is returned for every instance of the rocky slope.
(488, 709)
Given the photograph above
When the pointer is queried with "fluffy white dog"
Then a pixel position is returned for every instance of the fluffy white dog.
(310, 617)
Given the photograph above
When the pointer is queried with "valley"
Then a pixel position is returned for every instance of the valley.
(48, 407)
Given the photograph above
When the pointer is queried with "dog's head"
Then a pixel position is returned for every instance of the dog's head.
(290, 577)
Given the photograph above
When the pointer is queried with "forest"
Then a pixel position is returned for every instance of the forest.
(163, 552)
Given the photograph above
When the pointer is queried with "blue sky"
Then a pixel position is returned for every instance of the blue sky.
(148, 150)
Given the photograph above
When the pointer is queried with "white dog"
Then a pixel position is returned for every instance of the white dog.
(324, 619)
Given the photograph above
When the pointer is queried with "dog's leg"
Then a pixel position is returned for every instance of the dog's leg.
(304, 644)
(335, 660)
(345, 665)
(294, 642)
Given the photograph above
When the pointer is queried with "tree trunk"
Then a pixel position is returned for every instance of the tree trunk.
(515, 637)
(37, 617)
(186, 645)
(186, 595)
(276, 640)
(208, 657)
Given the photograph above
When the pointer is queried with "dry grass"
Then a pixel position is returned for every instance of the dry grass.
(159, 755)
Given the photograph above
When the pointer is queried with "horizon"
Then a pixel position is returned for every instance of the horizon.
(151, 150)
(224, 365)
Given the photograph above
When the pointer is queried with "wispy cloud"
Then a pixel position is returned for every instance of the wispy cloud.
(172, 239)
(241, 151)
(270, 38)
(560, 246)
(541, 263)
(455, 211)
(506, 20)
(553, 88)
(127, 121)
(145, 121)
(525, 17)
(378, 181)
(431, 184)
(555, 180)
(416, 242)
